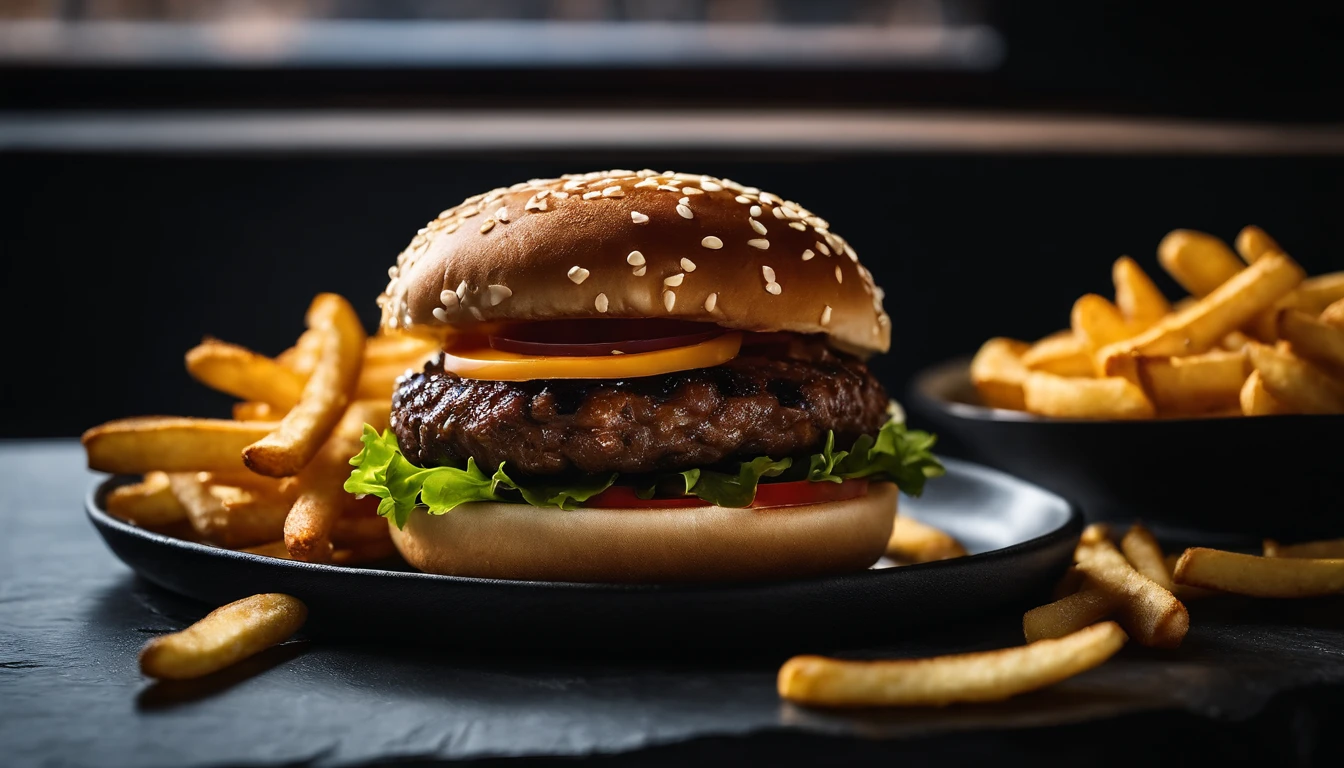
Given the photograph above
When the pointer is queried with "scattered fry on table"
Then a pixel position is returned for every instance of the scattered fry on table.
(224, 637)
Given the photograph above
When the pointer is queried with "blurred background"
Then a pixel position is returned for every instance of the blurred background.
(173, 169)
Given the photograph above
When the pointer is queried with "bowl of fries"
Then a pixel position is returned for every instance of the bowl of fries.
(1219, 413)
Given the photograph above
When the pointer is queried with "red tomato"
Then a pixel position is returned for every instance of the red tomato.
(793, 494)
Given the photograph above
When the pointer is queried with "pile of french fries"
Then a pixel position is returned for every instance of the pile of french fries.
(1255, 337)
(1111, 594)
(269, 480)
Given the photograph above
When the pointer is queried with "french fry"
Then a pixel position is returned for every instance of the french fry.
(1253, 242)
(1313, 340)
(376, 382)
(1138, 297)
(1299, 385)
(1327, 548)
(274, 549)
(321, 498)
(1077, 398)
(149, 503)
(1151, 614)
(1145, 554)
(227, 515)
(302, 431)
(240, 372)
(1068, 614)
(915, 542)
(1256, 400)
(282, 489)
(1202, 325)
(404, 349)
(1257, 576)
(225, 636)
(943, 680)
(1059, 353)
(1333, 315)
(1096, 322)
(997, 373)
(351, 531)
(1184, 592)
(1210, 381)
(1313, 296)
(302, 357)
(1198, 261)
(170, 444)
(1235, 341)
(250, 410)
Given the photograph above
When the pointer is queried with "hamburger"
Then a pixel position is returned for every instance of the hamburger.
(643, 377)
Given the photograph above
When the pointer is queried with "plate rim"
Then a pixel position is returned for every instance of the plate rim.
(1071, 527)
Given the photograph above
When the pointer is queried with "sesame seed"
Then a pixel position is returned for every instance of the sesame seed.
(451, 228)
(614, 191)
(674, 280)
(392, 322)
(839, 276)
(854, 257)
(755, 210)
(684, 201)
(688, 265)
(560, 195)
(448, 299)
(773, 288)
(822, 247)
(617, 352)
(669, 300)
(640, 270)
(638, 217)
(769, 274)
(771, 198)
(743, 199)
(462, 290)
(711, 301)
(710, 186)
(758, 226)
(882, 319)
(476, 313)
(692, 191)
(759, 243)
(778, 212)
(808, 254)
(634, 259)
(668, 188)
(578, 275)
(600, 303)
(711, 242)
(543, 194)
(392, 272)
(647, 183)
(440, 315)
(685, 212)
(535, 205)
(591, 195)
(798, 225)
(826, 315)
(497, 293)
(503, 215)
(572, 184)
(487, 225)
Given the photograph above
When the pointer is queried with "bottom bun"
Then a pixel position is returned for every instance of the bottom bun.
(697, 544)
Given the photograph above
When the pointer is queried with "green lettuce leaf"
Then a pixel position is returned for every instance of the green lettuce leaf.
(735, 490)
(899, 454)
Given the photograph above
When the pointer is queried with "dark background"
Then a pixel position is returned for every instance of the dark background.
(117, 261)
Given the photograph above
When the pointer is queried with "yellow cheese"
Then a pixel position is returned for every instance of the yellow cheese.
(476, 360)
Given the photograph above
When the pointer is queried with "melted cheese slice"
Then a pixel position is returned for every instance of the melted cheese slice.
(477, 360)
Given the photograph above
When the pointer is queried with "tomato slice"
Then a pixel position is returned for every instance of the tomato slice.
(792, 494)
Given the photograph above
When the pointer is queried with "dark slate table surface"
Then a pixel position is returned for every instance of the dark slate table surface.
(1254, 680)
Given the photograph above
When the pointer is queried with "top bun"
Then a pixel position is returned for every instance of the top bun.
(627, 244)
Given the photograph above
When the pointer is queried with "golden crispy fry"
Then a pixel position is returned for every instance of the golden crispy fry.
(1333, 315)
(1198, 261)
(376, 382)
(1151, 614)
(1137, 296)
(329, 389)
(302, 357)
(1096, 533)
(1076, 398)
(1184, 592)
(1317, 293)
(1096, 322)
(240, 372)
(1259, 576)
(1235, 341)
(1059, 353)
(942, 680)
(915, 542)
(1299, 385)
(1254, 242)
(1145, 554)
(1210, 381)
(227, 515)
(1068, 614)
(250, 410)
(349, 531)
(1204, 324)
(149, 503)
(1313, 340)
(407, 350)
(226, 636)
(997, 372)
(282, 489)
(170, 444)
(1256, 400)
(321, 497)
(1327, 548)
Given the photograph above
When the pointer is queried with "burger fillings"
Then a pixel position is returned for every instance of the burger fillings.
(644, 377)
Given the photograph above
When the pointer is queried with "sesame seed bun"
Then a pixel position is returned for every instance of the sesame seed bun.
(625, 244)
(697, 544)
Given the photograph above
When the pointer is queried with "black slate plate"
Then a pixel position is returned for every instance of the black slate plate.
(1021, 538)
(1222, 481)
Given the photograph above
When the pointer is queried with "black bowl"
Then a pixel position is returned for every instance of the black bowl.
(1228, 479)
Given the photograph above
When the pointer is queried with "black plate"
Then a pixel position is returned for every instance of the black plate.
(1021, 538)
(1227, 480)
